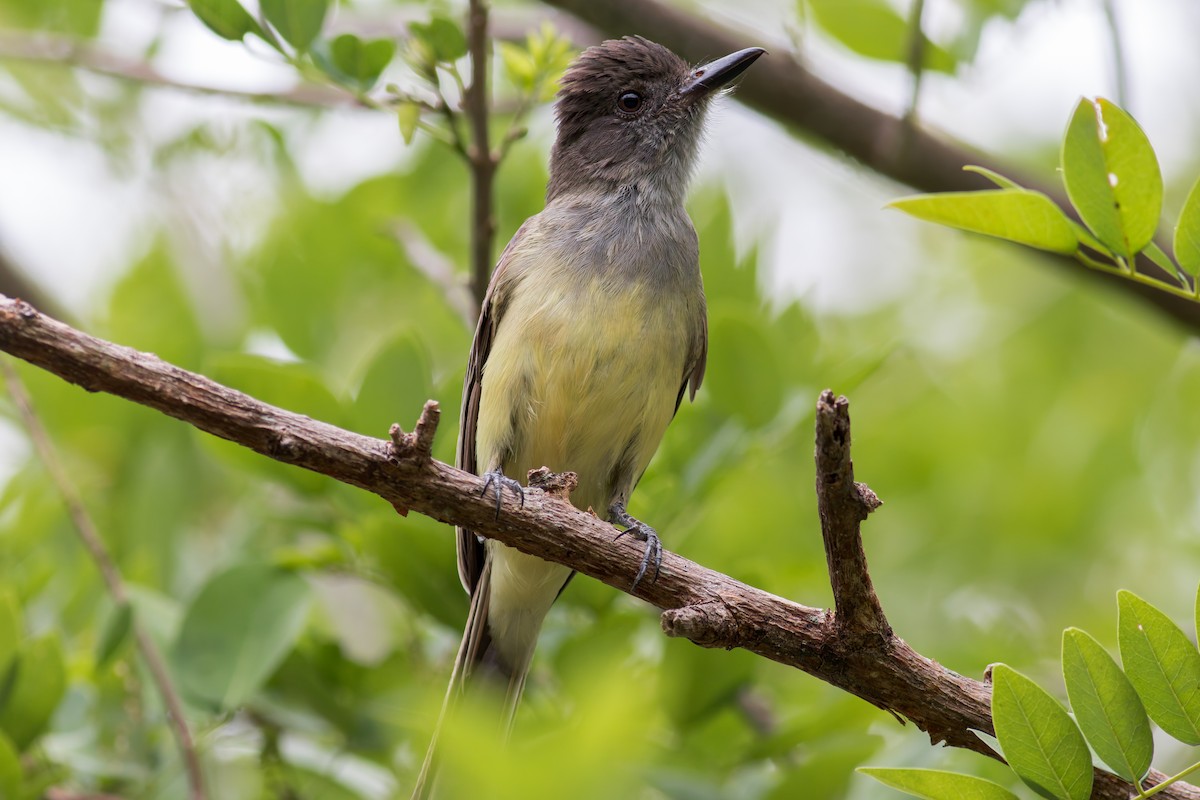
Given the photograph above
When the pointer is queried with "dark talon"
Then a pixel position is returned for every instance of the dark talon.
(642, 532)
(497, 481)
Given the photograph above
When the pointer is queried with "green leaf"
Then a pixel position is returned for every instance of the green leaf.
(116, 631)
(1041, 742)
(444, 37)
(1106, 706)
(10, 770)
(408, 115)
(1164, 262)
(237, 631)
(38, 687)
(225, 18)
(1163, 666)
(933, 784)
(298, 21)
(1112, 176)
(874, 29)
(10, 627)
(937, 785)
(1187, 232)
(1019, 215)
(993, 176)
(1088, 240)
(519, 65)
(353, 61)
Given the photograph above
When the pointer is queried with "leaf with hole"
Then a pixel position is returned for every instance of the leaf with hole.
(1112, 176)
(1107, 708)
(1163, 666)
(1041, 741)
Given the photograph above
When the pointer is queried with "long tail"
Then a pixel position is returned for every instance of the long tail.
(476, 656)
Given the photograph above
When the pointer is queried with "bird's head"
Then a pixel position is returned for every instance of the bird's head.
(630, 113)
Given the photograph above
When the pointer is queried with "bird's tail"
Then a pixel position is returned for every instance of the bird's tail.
(476, 657)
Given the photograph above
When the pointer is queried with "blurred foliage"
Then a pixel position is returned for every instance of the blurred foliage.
(1034, 442)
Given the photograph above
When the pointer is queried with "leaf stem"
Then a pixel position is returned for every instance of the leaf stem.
(1122, 269)
(1178, 776)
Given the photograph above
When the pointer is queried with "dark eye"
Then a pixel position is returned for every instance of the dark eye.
(629, 102)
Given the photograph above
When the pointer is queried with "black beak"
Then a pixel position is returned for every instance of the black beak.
(715, 74)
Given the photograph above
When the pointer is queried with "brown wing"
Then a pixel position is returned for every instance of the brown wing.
(470, 548)
(693, 373)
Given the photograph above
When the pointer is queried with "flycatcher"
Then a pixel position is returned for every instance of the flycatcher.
(592, 330)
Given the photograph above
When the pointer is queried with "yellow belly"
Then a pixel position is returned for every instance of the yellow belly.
(581, 380)
(584, 381)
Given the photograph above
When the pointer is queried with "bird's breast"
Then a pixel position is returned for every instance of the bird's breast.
(583, 375)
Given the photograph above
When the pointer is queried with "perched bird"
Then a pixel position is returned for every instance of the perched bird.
(592, 330)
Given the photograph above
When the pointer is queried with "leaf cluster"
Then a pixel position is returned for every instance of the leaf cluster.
(1051, 750)
(1115, 186)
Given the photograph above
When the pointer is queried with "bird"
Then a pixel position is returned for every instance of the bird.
(592, 330)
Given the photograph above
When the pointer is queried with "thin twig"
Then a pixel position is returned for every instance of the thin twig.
(916, 59)
(482, 161)
(713, 609)
(109, 572)
(64, 51)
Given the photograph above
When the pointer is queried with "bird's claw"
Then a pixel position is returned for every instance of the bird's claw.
(653, 553)
(497, 481)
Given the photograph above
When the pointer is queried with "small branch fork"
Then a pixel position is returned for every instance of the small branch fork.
(852, 648)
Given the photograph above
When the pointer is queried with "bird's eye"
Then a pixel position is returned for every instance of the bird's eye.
(629, 102)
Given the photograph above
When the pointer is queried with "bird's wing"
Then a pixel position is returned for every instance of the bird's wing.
(693, 371)
(470, 548)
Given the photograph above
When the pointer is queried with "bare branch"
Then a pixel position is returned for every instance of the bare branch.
(843, 505)
(784, 90)
(111, 574)
(711, 609)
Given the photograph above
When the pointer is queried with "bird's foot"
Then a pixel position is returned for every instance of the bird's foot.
(497, 481)
(643, 533)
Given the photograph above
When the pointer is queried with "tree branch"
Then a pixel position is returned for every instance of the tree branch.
(842, 505)
(787, 92)
(707, 607)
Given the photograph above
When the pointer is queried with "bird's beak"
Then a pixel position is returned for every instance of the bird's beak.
(715, 74)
